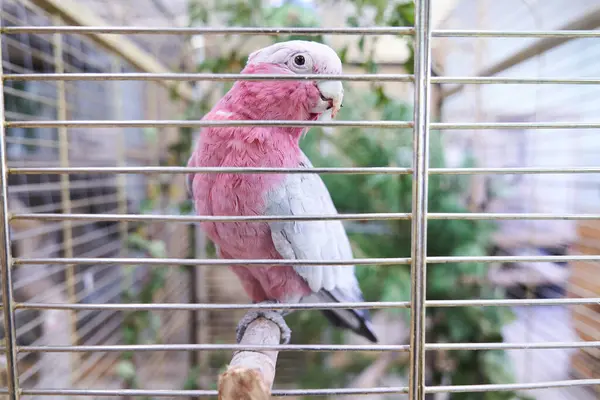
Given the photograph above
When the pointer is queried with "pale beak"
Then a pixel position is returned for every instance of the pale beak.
(333, 93)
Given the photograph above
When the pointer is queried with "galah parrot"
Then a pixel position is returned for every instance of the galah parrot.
(243, 194)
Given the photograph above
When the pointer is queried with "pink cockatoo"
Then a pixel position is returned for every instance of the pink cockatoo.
(243, 194)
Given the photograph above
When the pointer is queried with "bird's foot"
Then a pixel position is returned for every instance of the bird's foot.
(272, 315)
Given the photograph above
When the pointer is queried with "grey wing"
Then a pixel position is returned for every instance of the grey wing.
(306, 194)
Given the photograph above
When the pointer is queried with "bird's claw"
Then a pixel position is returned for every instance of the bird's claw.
(271, 315)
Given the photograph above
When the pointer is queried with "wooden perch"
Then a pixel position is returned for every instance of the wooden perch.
(250, 374)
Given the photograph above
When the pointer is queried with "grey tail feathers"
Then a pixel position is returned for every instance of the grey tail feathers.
(358, 321)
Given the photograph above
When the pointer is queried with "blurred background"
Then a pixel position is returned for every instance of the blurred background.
(92, 193)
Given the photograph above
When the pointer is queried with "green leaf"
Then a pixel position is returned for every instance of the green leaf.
(197, 12)
(126, 370)
(157, 249)
(497, 367)
(146, 206)
(343, 53)
(361, 43)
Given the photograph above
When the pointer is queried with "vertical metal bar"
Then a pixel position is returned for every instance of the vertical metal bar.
(419, 200)
(8, 309)
(63, 149)
(121, 156)
(203, 333)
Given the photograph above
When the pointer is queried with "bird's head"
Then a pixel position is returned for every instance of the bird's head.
(296, 99)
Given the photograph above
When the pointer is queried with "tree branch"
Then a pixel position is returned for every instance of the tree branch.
(250, 374)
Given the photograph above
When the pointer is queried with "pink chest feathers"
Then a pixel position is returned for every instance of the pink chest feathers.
(237, 194)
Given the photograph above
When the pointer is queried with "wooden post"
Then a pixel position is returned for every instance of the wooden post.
(250, 374)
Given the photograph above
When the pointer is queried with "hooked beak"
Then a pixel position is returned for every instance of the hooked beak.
(332, 92)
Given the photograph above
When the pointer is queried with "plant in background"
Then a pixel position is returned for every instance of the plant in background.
(352, 147)
(141, 326)
(393, 193)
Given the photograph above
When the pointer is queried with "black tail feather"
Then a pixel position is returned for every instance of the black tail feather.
(364, 330)
(337, 319)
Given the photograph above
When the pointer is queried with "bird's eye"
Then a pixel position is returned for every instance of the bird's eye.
(299, 60)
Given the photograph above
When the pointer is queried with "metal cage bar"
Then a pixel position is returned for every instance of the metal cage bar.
(213, 77)
(65, 191)
(419, 216)
(418, 270)
(340, 170)
(10, 336)
(300, 124)
(406, 31)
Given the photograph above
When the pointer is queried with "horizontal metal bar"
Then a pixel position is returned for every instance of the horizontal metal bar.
(515, 170)
(511, 346)
(508, 259)
(263, 218)
(136, 76)
(265, 170)
(187, 170)
(311, 392)
(511, 216)
(347, 123)
(308, 347)
(285, 31)
(208, 347)
(198, 393)
(513, 81)
(203, 123)
(309, 306)
(247, 262)
(210, 306)
(514, 125)
(187, 218)
(512, 302)
(211, 262)
(511, 386)
(129, 30)
(522, 34)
